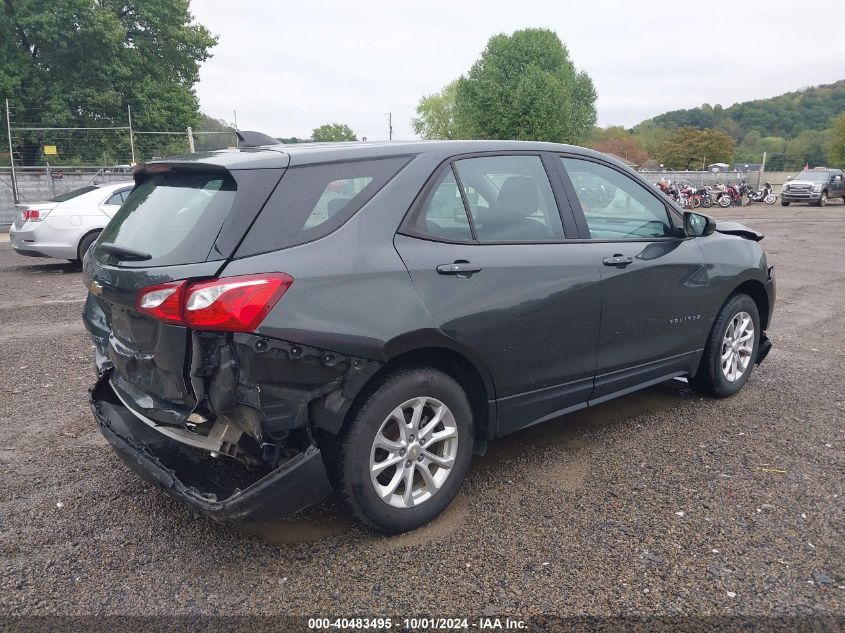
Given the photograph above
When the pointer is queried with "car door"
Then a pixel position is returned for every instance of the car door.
(837, 185)
(486, 250)
(111, 204)
(654, 279)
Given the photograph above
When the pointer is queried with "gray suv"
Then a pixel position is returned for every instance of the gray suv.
(272, 323)
(816, 185)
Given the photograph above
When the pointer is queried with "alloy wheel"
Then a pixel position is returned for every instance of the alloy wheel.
(413, 452)
(737, 347)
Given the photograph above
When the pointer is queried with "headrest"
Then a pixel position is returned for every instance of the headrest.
(517, 197)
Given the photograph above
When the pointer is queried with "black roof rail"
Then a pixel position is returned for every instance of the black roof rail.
(254, 139)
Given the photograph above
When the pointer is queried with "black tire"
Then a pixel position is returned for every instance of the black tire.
(351, 465)
(784, 203)
(85, 244)
(823, 200)
(710, 379)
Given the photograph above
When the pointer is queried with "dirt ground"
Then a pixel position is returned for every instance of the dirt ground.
(659, 503)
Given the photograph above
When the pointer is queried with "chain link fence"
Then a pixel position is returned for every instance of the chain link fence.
(39, 162)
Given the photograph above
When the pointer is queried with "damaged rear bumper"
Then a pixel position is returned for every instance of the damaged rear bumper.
(200, 481)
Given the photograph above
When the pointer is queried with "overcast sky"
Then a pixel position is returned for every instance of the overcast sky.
(288, 67)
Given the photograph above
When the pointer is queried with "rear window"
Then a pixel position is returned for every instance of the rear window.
(311, 201)
(174, 217)
(73, 194)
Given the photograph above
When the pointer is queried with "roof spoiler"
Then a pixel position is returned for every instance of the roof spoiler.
(254, 139)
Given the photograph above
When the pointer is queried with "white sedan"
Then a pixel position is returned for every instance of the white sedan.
(67, 225)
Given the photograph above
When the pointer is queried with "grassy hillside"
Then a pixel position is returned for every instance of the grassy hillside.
(793, 128)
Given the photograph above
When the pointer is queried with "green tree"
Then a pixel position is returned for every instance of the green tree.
(525, 87)
(651, 136)
(806, 148)
(212, 133)
(836, 147)
(70, 63)
(333, 132)
(691, 148)
(619, 141)
(436, 115)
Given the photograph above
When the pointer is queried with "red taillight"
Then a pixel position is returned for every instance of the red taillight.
(234, 304)
(231, 304)
(164, 301)
(32, 215)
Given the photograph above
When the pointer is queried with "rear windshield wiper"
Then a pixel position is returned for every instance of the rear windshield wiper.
(123, 252)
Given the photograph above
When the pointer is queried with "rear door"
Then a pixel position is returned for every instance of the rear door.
(487, 252)
(654, 280)
(180, 223)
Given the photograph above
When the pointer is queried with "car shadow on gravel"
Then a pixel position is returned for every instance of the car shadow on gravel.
(54, 268)
(570, 433)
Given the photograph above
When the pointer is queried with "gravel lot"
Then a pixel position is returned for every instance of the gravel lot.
(658, 503)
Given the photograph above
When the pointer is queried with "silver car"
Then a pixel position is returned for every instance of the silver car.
(67, 225)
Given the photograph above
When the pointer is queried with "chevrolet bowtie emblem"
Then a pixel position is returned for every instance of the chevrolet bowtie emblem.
(96, 288)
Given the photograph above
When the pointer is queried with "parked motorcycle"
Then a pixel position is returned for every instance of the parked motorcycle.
(764, 195)
(731, 196)
(706, 196)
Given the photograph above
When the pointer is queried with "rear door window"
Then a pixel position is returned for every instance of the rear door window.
(444, 216)
(174, 217)
(311, 201)
(117, 198)
(510, 199)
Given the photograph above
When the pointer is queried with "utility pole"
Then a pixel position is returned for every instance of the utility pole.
(390, 126)
(11, 155)
(235, 112)
(190, 140)
(131, 136)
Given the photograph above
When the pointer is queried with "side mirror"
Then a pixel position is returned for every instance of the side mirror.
(696, 224)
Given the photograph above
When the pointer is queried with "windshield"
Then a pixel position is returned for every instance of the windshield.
(815, 176)
(173, 217)
(73, 194)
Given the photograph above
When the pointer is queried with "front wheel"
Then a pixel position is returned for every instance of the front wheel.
(770, 198)
(406, 450)
(724, 201)
(823, 200)
(784, 203)
(730, 350)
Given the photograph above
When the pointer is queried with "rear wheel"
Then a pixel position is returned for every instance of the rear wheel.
(731, 348)
(724, 201)
(770, 199)
(406, 450)
(85, 244)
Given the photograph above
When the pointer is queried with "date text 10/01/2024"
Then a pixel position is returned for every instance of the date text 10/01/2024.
(453, 624)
